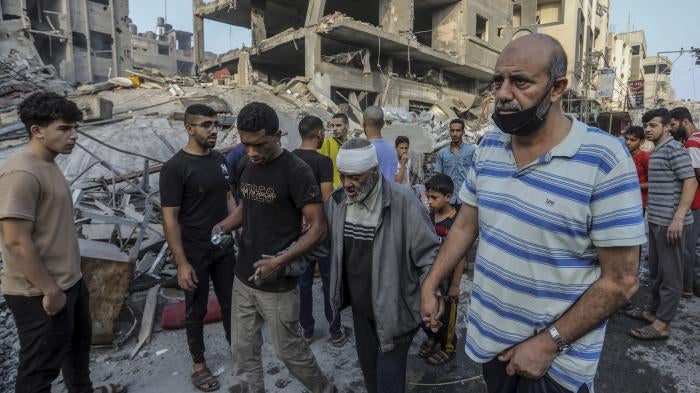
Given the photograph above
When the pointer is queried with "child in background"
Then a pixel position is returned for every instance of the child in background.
(634, 138)
(440, 188)
(404, 175)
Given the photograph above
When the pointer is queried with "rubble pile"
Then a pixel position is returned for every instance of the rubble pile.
(21, 69)
(9, 347)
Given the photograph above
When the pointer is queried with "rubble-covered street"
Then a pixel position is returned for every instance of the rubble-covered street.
(162, 366)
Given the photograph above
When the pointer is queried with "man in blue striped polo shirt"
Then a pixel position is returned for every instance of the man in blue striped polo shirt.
(557, 208)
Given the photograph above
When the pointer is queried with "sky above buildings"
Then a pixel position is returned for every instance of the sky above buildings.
(669, 25)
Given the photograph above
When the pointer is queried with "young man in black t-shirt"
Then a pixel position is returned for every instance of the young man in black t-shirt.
(312, 132)
(277, 190)
(194, 189)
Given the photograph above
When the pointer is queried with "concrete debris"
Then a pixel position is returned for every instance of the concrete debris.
(21, 69)
(94, 108)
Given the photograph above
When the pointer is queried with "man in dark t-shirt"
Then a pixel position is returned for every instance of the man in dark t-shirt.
(194, 189)
(277, 190)
(312, 133)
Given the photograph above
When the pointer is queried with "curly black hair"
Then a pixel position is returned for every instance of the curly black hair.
(43, 107)
(258, 116)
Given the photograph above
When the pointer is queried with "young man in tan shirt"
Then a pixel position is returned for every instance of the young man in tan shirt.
(41, 278)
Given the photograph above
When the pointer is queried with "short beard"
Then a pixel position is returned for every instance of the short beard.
(366, 189)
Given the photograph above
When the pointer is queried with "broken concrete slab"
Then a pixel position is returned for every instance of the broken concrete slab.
(94, 107)
(107, 272)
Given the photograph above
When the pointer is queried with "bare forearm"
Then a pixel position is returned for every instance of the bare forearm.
(173, 236)
(401, 174)
(32, 268)
(234, 220)
(458, 273)
(687, 196)
(602, 299)
(306, 243)
(459, 240)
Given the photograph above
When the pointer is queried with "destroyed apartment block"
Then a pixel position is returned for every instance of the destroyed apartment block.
(85, 41)
(394, 53)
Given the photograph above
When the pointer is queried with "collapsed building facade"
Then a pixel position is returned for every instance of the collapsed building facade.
(403, 53)
(85, 40)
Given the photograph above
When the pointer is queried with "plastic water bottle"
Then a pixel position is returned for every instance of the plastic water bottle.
(220, 238)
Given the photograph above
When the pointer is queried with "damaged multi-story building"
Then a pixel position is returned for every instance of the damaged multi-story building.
(580, 26)
(408, 53)
(167, 50)
(85, 40)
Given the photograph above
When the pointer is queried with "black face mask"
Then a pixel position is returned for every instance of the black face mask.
(523, 122)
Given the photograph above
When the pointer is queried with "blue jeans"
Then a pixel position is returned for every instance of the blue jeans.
(306, 306)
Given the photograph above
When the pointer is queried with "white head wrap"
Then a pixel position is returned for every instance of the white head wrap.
(356, 161)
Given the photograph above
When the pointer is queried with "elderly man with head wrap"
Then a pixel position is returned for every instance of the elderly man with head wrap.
(383, 244)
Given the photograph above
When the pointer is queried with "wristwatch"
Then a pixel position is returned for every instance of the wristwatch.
(562, 347)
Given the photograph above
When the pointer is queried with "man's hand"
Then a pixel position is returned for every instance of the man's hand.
(186, 277)
(453, 292)
(675, 231)
(532, 357)
(403, 159)
(431, 308)
(265, 267)
(54, 302)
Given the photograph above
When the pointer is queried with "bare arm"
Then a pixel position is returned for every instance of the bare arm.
(173, 235)
(399, 176)
(317, 227)
(617, 283)
(230, 201)
(316, 220)
(234, 220)
(459, 240)
(186, 277)
(675, 230)
(457, 279)
(326, 190)
(644, 186)
(17, 242)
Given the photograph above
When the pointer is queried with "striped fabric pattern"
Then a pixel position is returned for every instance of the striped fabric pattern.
(358, 232)
(539, 228)
(668, 166)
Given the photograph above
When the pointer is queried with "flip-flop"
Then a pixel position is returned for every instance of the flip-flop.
(638, 314)
(648, 333)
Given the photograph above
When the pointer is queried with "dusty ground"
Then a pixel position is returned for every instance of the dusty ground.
(626, 365)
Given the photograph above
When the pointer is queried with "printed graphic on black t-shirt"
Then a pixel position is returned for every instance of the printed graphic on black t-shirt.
(198, 185)
(273, 195)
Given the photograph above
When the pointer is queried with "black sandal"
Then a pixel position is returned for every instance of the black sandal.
(427, 347)
(203, 377)
(440, 357)
(111, 388)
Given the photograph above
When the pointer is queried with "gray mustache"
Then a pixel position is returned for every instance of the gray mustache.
(508, 106)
